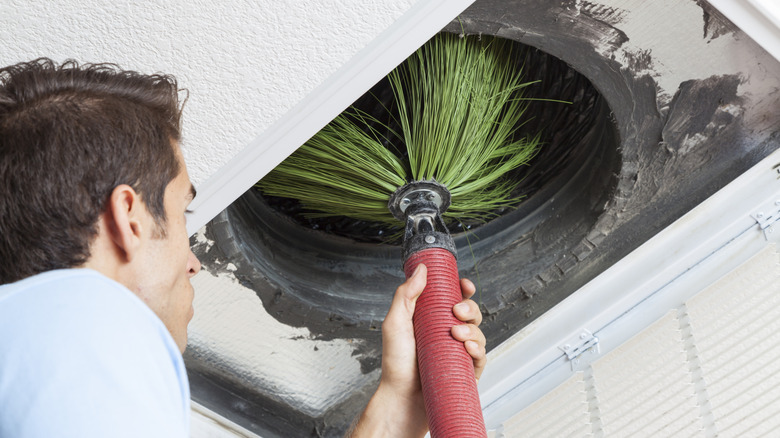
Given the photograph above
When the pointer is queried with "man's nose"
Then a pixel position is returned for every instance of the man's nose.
(193, 265)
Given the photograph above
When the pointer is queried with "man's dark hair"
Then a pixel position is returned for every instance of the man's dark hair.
(69, 135)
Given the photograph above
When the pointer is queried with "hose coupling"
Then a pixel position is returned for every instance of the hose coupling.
(420, 205)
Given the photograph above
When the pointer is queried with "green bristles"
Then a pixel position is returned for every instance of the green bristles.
(459, 105)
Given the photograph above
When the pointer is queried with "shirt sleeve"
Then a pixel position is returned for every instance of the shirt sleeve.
(89, 363)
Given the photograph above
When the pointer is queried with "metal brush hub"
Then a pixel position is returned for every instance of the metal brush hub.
(420, 205)
(419, 194)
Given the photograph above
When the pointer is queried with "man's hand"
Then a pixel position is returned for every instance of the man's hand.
(397, 407)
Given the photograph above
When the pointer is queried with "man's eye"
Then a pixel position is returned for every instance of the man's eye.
(188, 211)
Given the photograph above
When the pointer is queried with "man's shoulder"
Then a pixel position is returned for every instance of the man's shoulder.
(77, 310)
(78, 295)
(59, 283)
(80, 309)
(85, 339)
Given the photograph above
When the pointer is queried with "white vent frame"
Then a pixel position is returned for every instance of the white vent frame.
(662, 274)
(760, 19)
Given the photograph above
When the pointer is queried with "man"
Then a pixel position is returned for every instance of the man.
(96, 264)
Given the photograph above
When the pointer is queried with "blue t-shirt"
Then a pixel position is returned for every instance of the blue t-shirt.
(81, 356)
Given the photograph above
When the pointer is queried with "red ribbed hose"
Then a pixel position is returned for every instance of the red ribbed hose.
(446, 369)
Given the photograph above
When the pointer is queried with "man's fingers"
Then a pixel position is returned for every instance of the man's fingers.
(414, 285)
(472, 337)
(468, 311)
(478, 353)
(407, 293)
(467, 288)
(468, 332)
(474, 341)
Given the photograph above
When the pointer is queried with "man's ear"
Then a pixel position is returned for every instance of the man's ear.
(124, 219)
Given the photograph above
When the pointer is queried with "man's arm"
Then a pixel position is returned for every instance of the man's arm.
(397, 407)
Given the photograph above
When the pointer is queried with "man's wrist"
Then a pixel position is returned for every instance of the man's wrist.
(390, 414)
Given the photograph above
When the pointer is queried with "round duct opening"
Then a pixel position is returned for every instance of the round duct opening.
(335, 278)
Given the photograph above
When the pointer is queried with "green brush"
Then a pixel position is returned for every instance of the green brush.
(459, 104)
(444, 156)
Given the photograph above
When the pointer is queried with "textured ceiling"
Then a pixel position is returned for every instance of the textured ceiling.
(245, 63)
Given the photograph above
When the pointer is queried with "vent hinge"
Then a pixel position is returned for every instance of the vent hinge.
(767, 218)
(577, 347)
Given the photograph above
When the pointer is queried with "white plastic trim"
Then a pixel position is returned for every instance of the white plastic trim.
(770, 9)
(760, 19)
(370, 65)
(705, 244)
(206, 423)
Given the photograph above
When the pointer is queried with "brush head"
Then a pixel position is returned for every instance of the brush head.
(456, 116)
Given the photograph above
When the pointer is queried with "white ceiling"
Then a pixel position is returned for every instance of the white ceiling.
(245, 63)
